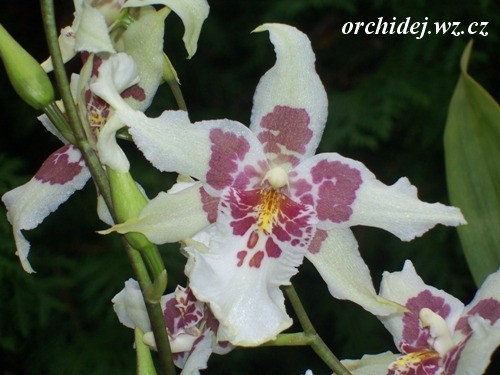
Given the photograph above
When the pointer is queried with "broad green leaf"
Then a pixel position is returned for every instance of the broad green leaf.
(145, 365)
(472, 152)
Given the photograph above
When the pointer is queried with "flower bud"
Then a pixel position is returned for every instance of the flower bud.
(26, 75)
(128, 202)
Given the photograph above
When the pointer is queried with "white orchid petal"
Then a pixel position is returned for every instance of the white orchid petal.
(169, 217)
(130, 308)
(143, 42)
(192, 13)
(476, 354)
(339, 262)
(50, 127)
(376, 364)
(63, 173)
(66, 42)
(91, 33)
(198, 357)
(220, 152)
(290, 103)
(408, 289)
(110, 154)
(346, 193)
(103, 211)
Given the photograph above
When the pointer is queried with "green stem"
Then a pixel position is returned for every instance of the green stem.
(176, 90)
(291, 339)
(317, 344)
(155, 312)
(56, 116)
(99, 175)
(89, 154)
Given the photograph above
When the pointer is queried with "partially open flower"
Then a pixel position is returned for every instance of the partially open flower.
(191, 327)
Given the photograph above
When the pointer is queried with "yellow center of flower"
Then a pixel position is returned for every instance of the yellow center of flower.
(412, 359)
(270, 203)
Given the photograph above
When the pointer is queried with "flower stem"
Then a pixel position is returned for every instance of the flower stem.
(155, 312)
(317, 343)
(101, 179)
(56, 116)
(90, 155)
(291, 339)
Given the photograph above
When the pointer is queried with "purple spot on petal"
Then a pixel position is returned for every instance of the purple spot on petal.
(285, 127)
(256, 260)
(413, 333)
(228, 149)
(488, 308)
(61, 166)
(317, 241)
(210, 205)
(241, 257)
(136, 92)
(337, 186)
(272, 250)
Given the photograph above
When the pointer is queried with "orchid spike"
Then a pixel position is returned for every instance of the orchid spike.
(271, 201)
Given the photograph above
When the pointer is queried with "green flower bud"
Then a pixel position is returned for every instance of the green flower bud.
(26, 75)
(128, 202)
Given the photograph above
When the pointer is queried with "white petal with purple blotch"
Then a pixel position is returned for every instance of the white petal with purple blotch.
(290, 103)
(242, 271)
(336, 256)
(143, 41)
(63, 173)
(192, 13)
(130, 308)
(169, 217)
(116, 74)
(247, 301)
(408, 289)
(220, 152)
(346, 193)
(486, 302)
(475, 356)
(198, 356)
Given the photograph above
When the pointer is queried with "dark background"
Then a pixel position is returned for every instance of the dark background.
(388, 96)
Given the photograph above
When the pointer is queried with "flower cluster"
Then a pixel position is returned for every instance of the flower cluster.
(251, 204)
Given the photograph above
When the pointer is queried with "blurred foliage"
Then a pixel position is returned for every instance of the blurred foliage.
(472, 151)
(389, 96)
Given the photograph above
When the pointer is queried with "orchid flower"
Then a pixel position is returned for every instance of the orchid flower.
(191, 327)
(437, 334)
(94, 22)
(65, 171)
(270, 200)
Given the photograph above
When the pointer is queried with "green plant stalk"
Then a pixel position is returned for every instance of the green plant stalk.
(291, 339)
(145, 365)
(56, 116)
(89, 154)
(317, 343)
(100, 178)
(155, 312)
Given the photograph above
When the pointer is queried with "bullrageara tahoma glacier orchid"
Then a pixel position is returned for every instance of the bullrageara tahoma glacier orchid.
(267, 200)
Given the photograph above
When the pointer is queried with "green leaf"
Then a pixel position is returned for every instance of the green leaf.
(472, 151)
(145, 365)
